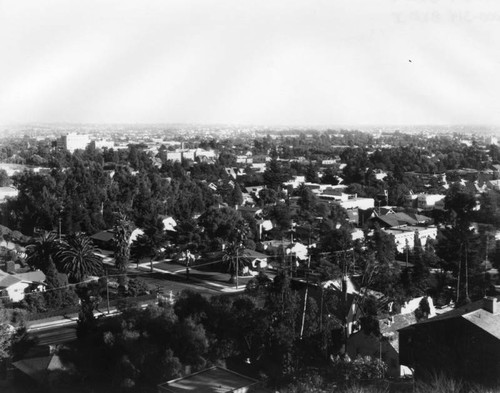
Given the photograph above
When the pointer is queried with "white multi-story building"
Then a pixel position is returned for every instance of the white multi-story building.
(73, 141)
(103, 144)
(405, 236)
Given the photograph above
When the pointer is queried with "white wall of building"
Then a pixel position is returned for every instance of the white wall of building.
(404, 237)
(72, 141)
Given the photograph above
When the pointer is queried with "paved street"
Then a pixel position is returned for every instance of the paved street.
(54, 334)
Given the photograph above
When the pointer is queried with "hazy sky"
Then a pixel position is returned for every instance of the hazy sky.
(331, 62)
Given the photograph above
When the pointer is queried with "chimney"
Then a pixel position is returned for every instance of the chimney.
(490, 304)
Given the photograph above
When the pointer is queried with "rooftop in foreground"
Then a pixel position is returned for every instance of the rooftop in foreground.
(212, 380)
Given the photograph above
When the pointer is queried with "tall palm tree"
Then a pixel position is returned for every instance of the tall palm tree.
(76, 257)
(41, 251)
(123, 230)
(231, 253)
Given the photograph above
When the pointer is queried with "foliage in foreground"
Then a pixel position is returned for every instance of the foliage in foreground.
(314, 383)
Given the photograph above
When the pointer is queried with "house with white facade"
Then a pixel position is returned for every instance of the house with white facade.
(428, 201)
(405, 236)
(16, 286)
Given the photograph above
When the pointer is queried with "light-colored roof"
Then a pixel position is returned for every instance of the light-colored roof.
(474, 313)
(36, 276)
(212, 380)
(485, 320)
(8, 280)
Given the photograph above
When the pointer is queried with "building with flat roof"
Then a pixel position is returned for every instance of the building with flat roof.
(72, 141)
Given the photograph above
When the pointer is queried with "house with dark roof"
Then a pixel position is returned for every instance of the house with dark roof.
(383, 346)
(463, 344)
(104, 239)
(43, 366)
(406, 227)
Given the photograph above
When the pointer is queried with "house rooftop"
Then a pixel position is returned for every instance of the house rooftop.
(212, 380)
(6, 280)
(485, 320)
(103, 236)
(35, 276)
(473, 312)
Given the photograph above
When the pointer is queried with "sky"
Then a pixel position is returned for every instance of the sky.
(314, 62)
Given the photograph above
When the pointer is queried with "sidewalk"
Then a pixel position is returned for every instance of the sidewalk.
(67, 320)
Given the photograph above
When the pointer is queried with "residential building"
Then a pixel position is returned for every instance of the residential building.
(428, 201)
(463, 344)
(103, 144)
(386, 345)
(8, 192)
(352, 201)
(43, 365)
(404, 237)
(212, 380)
(73, 141)
(17, 285)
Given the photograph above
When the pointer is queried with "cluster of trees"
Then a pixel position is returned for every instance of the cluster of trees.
(268, 327)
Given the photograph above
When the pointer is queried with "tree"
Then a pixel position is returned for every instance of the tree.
(142, 247)
(267, 196)
(282, 307)
(236, 196)
(221, 225)
(76, 257)
(58, 294)
(4, 179)
(274, 175)
(231, 256)
(122, 232)
(42, 251)
(460, 204)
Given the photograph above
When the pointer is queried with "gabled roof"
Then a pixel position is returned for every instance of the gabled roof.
(472, 312)
(397, 219)
(6, 280)
(400, 219)
(486, 321)
(39, 367)
(421, 219)
(390, 329)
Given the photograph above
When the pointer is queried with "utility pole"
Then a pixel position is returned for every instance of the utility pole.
(466, 275)
(407, 248)
(61, 209)
(459, 273)
(107, 290)
(237, 267)
(305, 297)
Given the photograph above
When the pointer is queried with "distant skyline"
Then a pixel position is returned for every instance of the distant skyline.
(294, 63)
